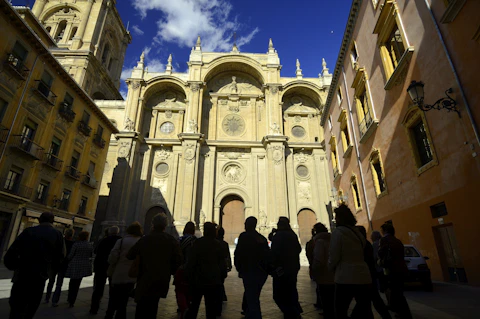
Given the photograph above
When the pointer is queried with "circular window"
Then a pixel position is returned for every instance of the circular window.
(298, 131)
(302, 171)
(167, 127)
(162, 168)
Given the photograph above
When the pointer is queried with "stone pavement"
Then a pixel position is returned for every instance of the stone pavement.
(446, 302)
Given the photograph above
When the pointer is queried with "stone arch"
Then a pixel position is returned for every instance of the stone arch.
(232, 217)
(55, 8)
(234, 63)
(311, 90)
(306, 219)
(233, 190)
(151, 212)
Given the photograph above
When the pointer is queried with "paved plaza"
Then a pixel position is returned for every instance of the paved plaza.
(448, 301)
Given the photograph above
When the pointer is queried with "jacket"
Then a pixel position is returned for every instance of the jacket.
(252, 253)
(346, 257)
(118, 259)
(37, 253)
(102, 251)
(186, 244)
(160, 257)
(206, 265)
(391, 245)
(286, 251)
(320, 272)
(80, 260)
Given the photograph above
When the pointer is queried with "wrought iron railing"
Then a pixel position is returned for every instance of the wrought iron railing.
(27, 145)
(73, 172)
(46, 92)
(84, 128)
(64, 203)
(89, 181)
(98, 140)
(17, 189)
(65, 111)
(365, 123)
(53, 161)
(16, 64)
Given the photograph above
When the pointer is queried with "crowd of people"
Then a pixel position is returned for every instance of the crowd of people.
(344, 265)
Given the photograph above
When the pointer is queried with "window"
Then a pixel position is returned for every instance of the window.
(12, 182)
(393, 44)
(330, 125)
(339, 96)
(90, 176)
(60, 31)
(75, 159)
(28, 134)
(100, 130)
(366, 119)
(419, 139)
(19, 55)
(354, 55)
(3, 108)
(345, 135)
(83, 205)
(68, 101)
(355, 193)
(73, 33)
(42, 192)
(453, 8)
(110, 64)
(334, 157)
(439, 210)
(167, 127)
(86, 117)
(106, 51)
(55, 146)
(45, 84)
(378, 173)
(65, 199)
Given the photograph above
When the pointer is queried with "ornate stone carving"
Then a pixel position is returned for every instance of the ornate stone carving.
(262, 220)
(154, 112)
(298, 118)
(277, 154)
(202, 218)
(135, 85)
(275, 129)
(233, 125)
(223, 102)
(129, 124)
(194, 87)
(233, 155)
(189, 152)
(302, 157)
(124, 149)
(192, 126)
(162, 154)
(298, 131)
(304, 191)
(234, 108)
(233, 173)
(243, 103)
(168, 114)
(273, 89)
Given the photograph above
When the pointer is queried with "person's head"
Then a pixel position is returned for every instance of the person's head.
(283, 223)
(189, 229)
(83, 236)
(220, 232)
(344, 216)
(159, 222)
(135, 229)
(362, 231)
(69, 232)
(113, 231)
(209, 230)
(46, 217)
(105, 232)
(375, 236)
(250, 223)
(388, 228)
(320, 228)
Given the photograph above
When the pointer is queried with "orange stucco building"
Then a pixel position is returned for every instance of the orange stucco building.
(391, 161)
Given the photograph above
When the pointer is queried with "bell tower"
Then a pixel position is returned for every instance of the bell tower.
(91, 39)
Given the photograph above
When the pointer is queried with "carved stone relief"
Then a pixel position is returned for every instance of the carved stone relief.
(189, 152)
(304, 191)
(162, 154)
(277, 154)
(233, 125)
(124, 149)
(233, 173)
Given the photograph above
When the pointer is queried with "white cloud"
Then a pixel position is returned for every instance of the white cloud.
(124, 94)
(155, 65)
(126, 73)
(184, 20)
(136, 29)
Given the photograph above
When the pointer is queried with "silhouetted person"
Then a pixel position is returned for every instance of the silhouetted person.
(379, 278)
(69, 232)
(377, 301)
(391, 257)
(34, 256)
(286, 258)
(252, 263)
(181, 283)
(322, 275)
(346, 259)
(159, 258)
(79, 266)
(228, 266)
(309, 248)
(205, 268)
(121, 285)
(100, 266)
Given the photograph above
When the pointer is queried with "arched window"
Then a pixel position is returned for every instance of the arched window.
(106, 51)
(72, 34)
(49, 28)
(60, 31)
(110, 64)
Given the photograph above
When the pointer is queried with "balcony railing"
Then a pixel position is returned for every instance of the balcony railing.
(16, 64)
(335, 172)
(15, 189)
(65, 111)
(63, 204)
(98, 140)
(73, 172)
(84, 128)
(81, 210)
(46, 92)
(3, 134)
(27, 145)
(89, 181)
(53, 161)
(365, 123)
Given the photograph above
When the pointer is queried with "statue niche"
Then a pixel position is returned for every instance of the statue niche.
(164, 112)
(235, 85)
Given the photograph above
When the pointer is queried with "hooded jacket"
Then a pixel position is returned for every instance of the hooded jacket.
(320, 272)
(346, 257)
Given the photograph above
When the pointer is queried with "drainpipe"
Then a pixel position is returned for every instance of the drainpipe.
(359, 163)
(457, 79)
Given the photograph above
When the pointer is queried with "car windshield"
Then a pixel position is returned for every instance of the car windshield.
(411, 252)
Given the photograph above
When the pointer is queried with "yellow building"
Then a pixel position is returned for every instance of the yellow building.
(54, 139)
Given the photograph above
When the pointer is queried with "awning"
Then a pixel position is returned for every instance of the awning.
(61, 220)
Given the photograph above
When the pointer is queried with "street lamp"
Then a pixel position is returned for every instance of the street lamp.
(416, 92)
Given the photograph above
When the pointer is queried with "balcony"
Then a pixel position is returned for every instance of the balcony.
(98, 140)
(367, 126)
(15, 65)
(84, 128)
(81, 210)
(52, 161)
(89, 181)
(45, 92)
(73, 172)
(63, 204)
(27, 146)
(15, 189)
(65, 111)
(3, 134)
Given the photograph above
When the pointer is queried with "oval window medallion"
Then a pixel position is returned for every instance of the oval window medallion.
(298, 131)
(302, 171)
(167, 127)
(162, 168)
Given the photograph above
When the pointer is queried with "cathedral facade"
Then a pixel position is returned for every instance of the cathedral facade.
(228, 139)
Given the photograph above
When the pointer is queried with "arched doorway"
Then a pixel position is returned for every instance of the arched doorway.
(232, 217)
(306, 220)
(149, 216)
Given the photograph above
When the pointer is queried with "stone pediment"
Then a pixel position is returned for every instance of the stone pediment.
(170, 105)
(299, 105)
(234, 85)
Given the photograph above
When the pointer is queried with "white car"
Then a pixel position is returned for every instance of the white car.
(418, 270)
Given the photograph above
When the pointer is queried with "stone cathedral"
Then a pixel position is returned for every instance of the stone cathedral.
(228, 139)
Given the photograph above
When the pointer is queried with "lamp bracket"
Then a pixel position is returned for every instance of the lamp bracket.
(447, 103)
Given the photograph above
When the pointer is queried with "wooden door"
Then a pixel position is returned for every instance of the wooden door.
(449, 254)
(149, 216)
(232, 218)
(306, 220)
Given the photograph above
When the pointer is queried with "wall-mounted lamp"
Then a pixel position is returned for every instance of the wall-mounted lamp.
(416, 92)
(339, 198)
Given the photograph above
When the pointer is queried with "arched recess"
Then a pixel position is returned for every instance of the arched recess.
(149, 216)
(163, 101)
(306, 220)
(56, 8)
(60, 33)
(233, 190)
(234, 63)
(98, 96)
(232, 217)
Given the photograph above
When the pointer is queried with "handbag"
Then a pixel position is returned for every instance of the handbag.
(134, 268)
(111, 267)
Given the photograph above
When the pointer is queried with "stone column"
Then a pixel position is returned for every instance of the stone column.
(194, 107)
(292, 190)
(78, 38)
(132, 103)
(274, 116)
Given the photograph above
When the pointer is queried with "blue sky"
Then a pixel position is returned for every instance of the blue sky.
(305, 29)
